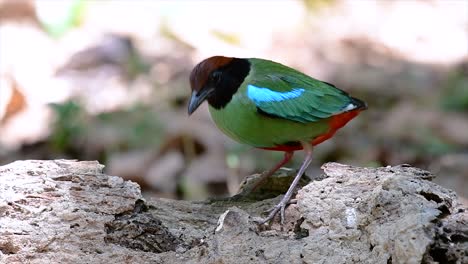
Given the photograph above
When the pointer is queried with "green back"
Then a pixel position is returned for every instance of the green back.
(319, 100)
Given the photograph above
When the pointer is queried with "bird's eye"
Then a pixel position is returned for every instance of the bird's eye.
(216, 76)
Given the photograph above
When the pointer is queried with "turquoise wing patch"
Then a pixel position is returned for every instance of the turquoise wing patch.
(261, 95)
(301, 99)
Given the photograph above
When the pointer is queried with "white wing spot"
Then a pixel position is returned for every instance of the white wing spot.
(349, 107)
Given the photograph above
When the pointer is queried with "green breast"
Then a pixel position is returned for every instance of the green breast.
(241, 121)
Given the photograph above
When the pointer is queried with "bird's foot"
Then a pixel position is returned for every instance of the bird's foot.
(280, 207)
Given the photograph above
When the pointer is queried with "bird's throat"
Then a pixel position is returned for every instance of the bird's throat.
(234, 73)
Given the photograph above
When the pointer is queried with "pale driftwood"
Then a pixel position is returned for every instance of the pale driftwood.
(65, 211)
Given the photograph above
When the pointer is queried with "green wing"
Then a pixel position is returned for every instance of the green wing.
(291, 95)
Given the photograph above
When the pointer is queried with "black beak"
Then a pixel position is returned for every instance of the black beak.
(197, 98)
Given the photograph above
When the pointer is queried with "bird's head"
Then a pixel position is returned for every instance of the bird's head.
(216, 79)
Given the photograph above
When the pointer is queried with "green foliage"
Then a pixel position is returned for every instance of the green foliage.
(433, 144)
(72, 17)
(166, 31)
(69, 126)
(455, 94)
(315, 5)
(232, 39)
(137, 127)
(136, 65)
(373, 164)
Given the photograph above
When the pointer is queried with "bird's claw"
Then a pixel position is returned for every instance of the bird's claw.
(280, 207)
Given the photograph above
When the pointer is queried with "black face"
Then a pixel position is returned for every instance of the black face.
(221, 84)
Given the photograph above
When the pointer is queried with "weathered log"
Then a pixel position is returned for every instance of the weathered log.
(66, 211)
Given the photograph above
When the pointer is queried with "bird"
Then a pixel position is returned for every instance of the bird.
(271, 106)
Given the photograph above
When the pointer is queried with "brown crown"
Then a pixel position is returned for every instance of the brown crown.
(202, 71)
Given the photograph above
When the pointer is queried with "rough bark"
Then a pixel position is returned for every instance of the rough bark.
(66, 211)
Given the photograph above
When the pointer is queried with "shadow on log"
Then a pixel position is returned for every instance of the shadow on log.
(66, 211)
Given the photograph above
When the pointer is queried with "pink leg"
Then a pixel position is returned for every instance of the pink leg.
(280, 207)
(287, 157)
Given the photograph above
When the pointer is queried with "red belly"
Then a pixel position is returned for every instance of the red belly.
(335, 123)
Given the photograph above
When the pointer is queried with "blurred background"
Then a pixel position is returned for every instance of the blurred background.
(107, 80)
